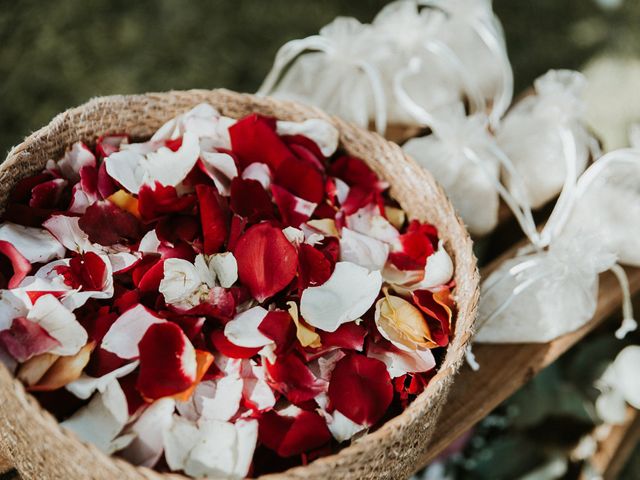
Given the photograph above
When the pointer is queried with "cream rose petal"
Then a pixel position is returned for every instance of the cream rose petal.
(149, 243)
(400, 362)
(346, 296)
(123, 336)
(59, 323)
(243, 329)
(363, 250)
(321, 132)
(35, 244)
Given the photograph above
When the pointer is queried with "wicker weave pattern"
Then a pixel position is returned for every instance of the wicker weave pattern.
(32, 438)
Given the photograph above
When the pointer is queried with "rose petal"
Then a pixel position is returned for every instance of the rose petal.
(300, 178)
(35, 244)
(363, 250)
(20, 265)
(225, 267)
(259, 172)
(278, 326)
(402, 324)
(315, 267)
(254, 139)
(102, 419)
(167, 361)
(291, 377)
(438, 270)
(243, 329)
(293, 210)
(64, 370)
(438, 307)
(85, 386)
(146, 448)
(155, 201)
(267, 262)
(221, 168)
(368, 221)
(128, 330)
(293, 434)
(412, 248)
(123, 227)
(250, 200)
(67, 231)
(213, 219)
(361, 389)
(59, 323)
(181, 284)
(347, 295)
(256, 393)
(323, 134)
(400, 362)
(26, 339)
(74, 159)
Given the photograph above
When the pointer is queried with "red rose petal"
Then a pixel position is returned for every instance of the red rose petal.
(305, 149)
(103, 362)
(348, 336)
(315, 266)
(291, 377)
(254, 139)
(300, 178)
(25, 339)
(150, 280)
(238, 224)
(213, 219)
(167, 361)
(267, 261)
(437, 307)
(293, 210)
(360, 389)
(419, 241)
(20, 265)
(122, 225)
(88, 271)
(289, 436)
(229, 349)
(47, 194)
(108, 144)
(249, 199)
(106, 185)
(354, 172)
(155, 202)
(21, 193)
(279, 327)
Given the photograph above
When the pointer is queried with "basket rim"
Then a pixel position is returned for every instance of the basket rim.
(447, 369)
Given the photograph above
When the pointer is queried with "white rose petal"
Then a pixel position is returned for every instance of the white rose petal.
(225, 267)
(321, 132)
(60, 323)
(243, 329)
(35, 244)
(125, 334)
(363, 250)
(346, 296)
(149, 430)
(85, 386)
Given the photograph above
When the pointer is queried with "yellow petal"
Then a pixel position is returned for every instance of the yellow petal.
(65, 370)
(125, 201)
(31, 371)
(306, 334)
(326, 226)
(402, 322)
(396, 216)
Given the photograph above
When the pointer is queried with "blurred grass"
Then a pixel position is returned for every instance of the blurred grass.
(54, 55)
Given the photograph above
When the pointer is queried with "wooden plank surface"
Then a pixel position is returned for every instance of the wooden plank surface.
(505, 368)
(616, 448)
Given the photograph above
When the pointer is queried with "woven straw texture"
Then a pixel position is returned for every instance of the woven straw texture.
(35, 442)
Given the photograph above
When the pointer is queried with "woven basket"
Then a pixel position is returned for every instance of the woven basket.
(41, 450)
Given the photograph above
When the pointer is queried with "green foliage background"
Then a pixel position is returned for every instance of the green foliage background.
(57, 54)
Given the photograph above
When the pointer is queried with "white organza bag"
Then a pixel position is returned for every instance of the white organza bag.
(414, 35)
(529, 134)
(461, 156)
(333, 70)
(474, 33)
(539, 296)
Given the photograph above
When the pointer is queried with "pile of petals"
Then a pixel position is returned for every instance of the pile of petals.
(226, 298)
